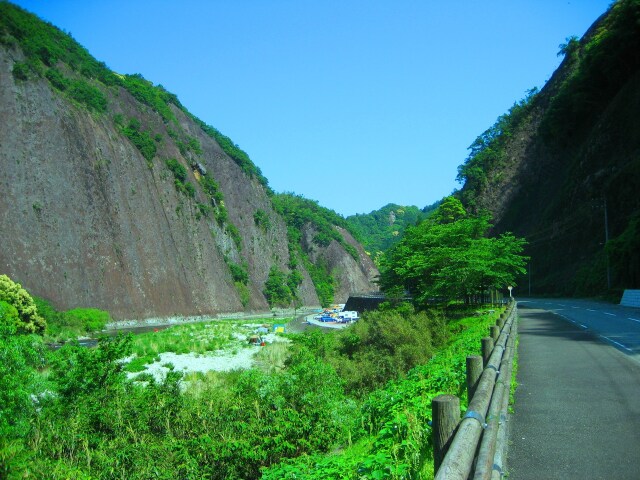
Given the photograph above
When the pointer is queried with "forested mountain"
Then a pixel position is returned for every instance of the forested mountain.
(380, 229)
(562, 167)
(114, 196)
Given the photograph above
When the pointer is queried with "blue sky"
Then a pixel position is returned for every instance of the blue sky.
(355, 104)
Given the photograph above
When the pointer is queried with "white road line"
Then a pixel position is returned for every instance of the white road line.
(589, 310)
(610, 314)
(562, 305)
(583, 326)
(634, 319)
(617, 343)
(575, 307)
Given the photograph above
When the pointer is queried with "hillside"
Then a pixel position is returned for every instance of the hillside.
(115, 196)
(562, 167)
(380, 229)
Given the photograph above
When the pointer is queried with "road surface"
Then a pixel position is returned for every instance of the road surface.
(577, 408)
(614, 324)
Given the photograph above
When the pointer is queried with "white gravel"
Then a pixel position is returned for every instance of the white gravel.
(219, 361)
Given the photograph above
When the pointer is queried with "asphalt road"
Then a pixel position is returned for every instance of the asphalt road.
(614, 324)
(577, 408)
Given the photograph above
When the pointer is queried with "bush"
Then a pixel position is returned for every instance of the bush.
(239, 273)
(261, 219)
(90, 319)
(20, 355)
(385, 345)
(57, 79)
(62, 326)
(141, 139)
(276, 290)
(178, 170)
(16, 296)
(88, 95)
(21, 71)
(190, 190)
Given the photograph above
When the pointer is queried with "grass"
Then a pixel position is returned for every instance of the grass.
(200, 338)
(271, 358)
(514, 379)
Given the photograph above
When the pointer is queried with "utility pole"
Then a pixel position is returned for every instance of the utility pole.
(606, 241)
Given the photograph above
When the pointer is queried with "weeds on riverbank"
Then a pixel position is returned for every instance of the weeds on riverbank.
(194, 338)
(289, 418)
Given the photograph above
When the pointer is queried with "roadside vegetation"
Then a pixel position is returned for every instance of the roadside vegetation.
(451, 256)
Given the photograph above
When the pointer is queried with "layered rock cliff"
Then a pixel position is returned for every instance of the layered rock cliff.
(562, 167)
(114, 196)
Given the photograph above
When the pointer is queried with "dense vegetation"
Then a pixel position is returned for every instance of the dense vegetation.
(300, 213)
(381, 229)
(576, 183)
(74, 413)
(450, 257)
(488, 153)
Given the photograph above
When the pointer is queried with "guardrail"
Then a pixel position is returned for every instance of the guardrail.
(473, 447)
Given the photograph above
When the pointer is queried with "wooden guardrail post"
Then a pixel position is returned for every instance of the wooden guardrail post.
(487, 348)
(494, 332)
(475, 364)
(446, 415)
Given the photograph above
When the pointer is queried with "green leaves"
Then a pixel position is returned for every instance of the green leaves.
(276, 289)
(141, 139)
(449, 257)
(28, 320)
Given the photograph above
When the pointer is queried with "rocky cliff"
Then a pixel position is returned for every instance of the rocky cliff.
(114, 196)
(562, 167)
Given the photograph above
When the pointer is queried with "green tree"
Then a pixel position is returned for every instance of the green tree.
(276, 289)
(16, 296)
(452, 259)
(20, 355)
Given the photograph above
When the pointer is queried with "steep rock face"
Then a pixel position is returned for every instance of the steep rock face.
(86, 220)
(567, 167)
(352, 276)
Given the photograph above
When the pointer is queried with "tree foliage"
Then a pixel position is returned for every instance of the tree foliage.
(28, 320)
(20, 355)
(450, 257)
(141, 139)
(300, 213)
(488, 152)
(380, 229)
(276, 290)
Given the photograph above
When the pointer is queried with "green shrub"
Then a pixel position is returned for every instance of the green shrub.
(141, 139)
(57, 79)
(211, 188)
(239, 273)
(203, 211)
(190, 190)
(276, 290)
(261, 219)
(243, 292)
(90, 319)
(154, 96)
(180, 178)
(20, 356)
(235, 235)
(88, 95)
(16, 296)
(21, 71)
